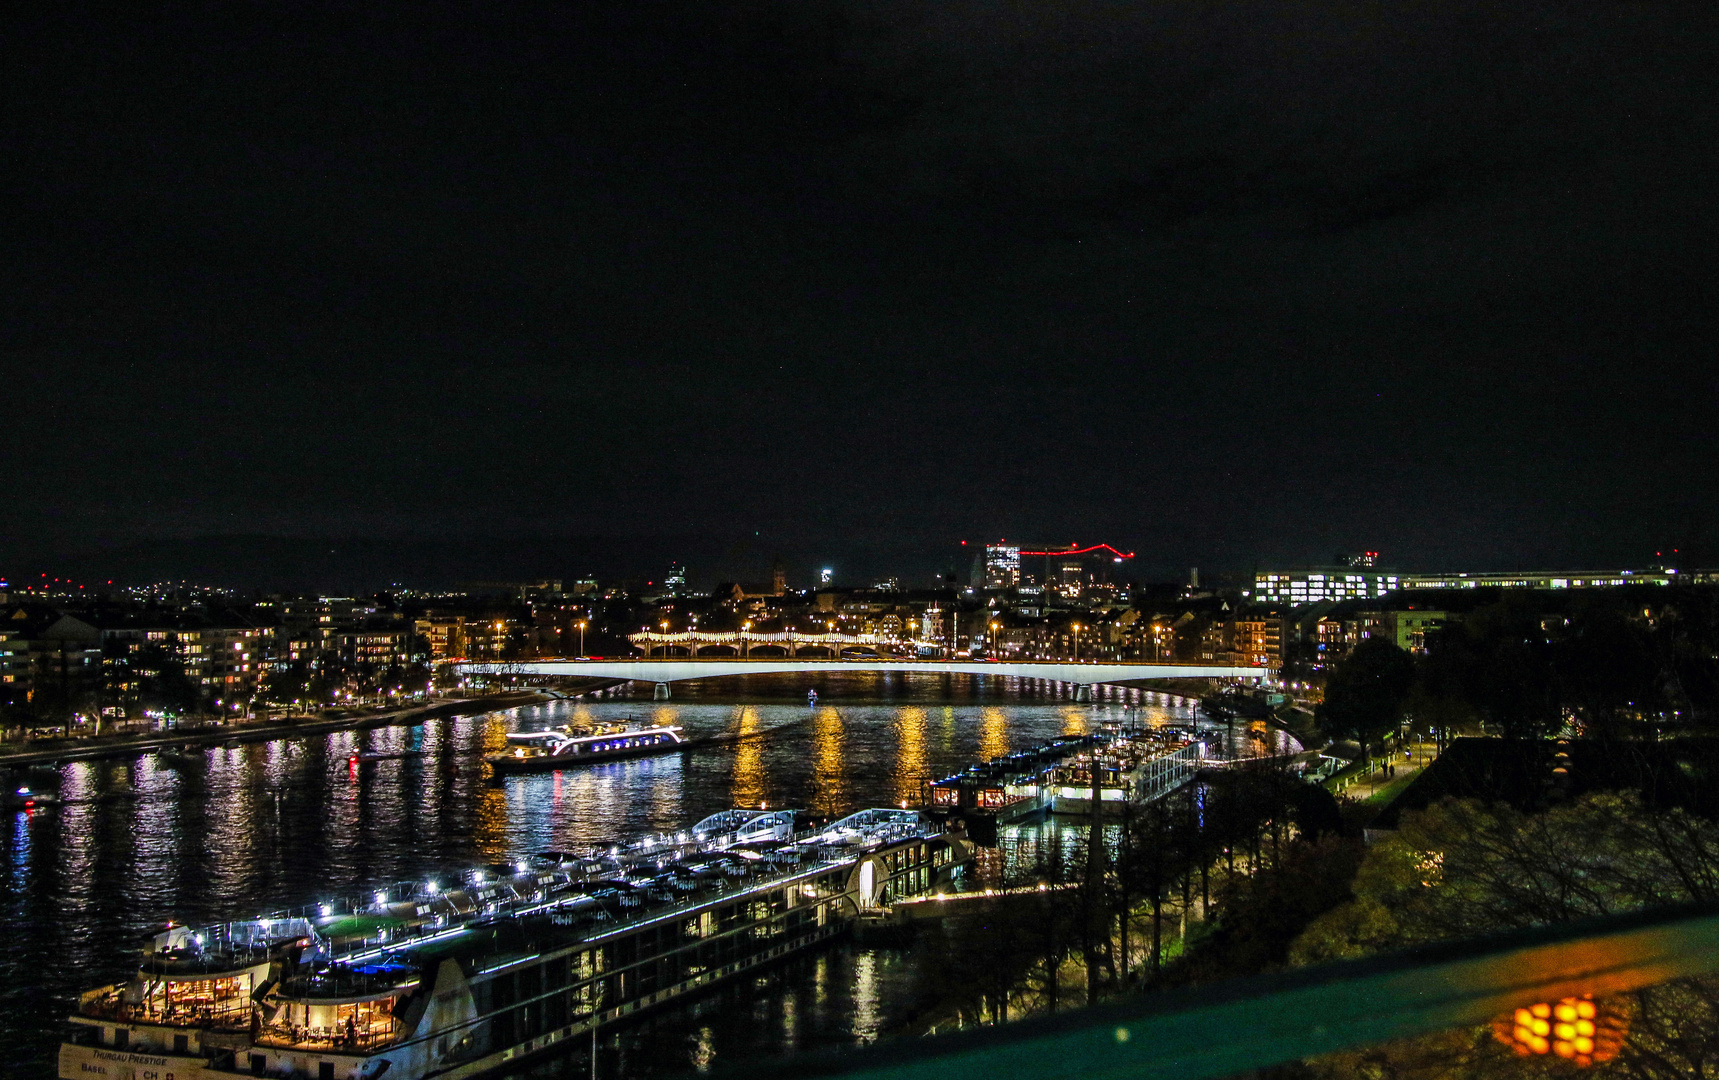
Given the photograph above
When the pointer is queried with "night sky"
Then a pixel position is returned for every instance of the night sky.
(1219, 281)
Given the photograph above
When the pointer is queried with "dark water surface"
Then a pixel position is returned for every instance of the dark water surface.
(264, 826)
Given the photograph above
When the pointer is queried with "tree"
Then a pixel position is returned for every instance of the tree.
(161, 681)
(1501, 665)
(1461, 869)
(286, 683)
(1365, 694)
(1612, 672)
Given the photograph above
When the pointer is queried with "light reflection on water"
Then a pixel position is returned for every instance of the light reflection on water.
(243, 829)
(910, 765)
(829, 766)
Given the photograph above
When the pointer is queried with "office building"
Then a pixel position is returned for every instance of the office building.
(1297, 587)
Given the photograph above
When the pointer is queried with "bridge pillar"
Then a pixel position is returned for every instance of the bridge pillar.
(662, 693)
(1083, 691)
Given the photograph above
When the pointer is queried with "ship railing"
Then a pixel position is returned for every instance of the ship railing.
(1307, 1012)
(111, 1006)
(765, 876)
(230, 1013)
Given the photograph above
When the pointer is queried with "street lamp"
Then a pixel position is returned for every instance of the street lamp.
(581, 637)
(1077, 643)
(665, 639)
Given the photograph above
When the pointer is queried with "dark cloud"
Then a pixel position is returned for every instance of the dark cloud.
(1219, 280)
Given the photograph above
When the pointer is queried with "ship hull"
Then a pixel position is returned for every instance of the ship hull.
(507, 763)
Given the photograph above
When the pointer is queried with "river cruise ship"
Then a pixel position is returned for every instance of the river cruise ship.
(560, 748)
(1135, 765)
(457, 978)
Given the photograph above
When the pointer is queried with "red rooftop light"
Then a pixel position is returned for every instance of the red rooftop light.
(1083, 551)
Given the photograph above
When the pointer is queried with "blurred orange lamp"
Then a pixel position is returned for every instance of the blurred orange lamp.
(1576, 1029)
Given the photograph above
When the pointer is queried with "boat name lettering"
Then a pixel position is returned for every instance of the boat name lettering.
(128, 1059)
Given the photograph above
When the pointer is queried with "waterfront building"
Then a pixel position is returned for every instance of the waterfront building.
(460, 636)
(375, 646)
(1257, 639)
(1215, 639)
(1312, 586)
(1330, 641)
(223, 655)
(1408, 629)
(43, 650)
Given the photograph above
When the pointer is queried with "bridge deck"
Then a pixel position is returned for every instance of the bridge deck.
(682, 668)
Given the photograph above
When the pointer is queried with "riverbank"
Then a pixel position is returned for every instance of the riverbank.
(45, 752)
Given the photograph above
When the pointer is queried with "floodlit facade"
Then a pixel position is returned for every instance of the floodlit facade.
(1317, 585)
(1545, 579)
(1002, 566)
(1296, 587)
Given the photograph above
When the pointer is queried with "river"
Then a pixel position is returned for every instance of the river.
(263, 826)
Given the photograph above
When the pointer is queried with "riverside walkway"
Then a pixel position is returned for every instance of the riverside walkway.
(126, 744)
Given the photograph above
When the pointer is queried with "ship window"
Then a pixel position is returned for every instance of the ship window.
(259, 1062)
(325, 1070)
(121, 1038)
(181, 1043)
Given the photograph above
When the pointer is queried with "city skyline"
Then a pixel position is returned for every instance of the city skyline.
(371, 566)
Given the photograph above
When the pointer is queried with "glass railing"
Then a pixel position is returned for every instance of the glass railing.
(1565, 992)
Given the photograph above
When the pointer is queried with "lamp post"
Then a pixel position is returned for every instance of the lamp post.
(581, 637)
(1077, 643)
(665, 639)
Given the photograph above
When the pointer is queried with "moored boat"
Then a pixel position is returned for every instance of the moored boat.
(181, 757)
(457, 978)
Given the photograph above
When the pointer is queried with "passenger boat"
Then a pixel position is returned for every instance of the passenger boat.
(454, 979)
(561, 748)
(384, 755)
(29, 798)
(181, 757)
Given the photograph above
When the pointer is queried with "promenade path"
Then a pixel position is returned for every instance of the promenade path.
(126, 744)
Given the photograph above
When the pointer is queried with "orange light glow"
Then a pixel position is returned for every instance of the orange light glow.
(1575, 1029)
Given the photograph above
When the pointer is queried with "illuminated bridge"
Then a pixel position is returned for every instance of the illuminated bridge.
(745, 643)
(1081, 675)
